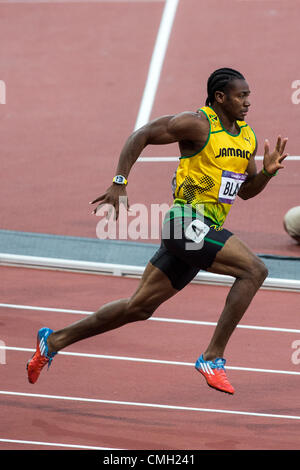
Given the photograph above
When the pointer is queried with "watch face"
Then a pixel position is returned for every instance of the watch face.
(119, 179)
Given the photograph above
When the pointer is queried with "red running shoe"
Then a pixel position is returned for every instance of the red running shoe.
(41, 357)
(214, 373)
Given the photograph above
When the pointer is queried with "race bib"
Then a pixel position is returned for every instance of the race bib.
(196, 231)
(230, 185)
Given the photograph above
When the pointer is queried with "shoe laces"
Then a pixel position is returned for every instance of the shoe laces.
(219, 363)
(221, 372)
(41, 360)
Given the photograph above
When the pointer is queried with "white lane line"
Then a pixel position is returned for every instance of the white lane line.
(81, 1)
(159, 319)
(158, 159)
(150, 361)
(176, 159)
(148, 405)
(56, 444)
(156, 63)
(207, 323)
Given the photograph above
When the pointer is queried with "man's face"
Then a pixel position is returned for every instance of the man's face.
(235, 101)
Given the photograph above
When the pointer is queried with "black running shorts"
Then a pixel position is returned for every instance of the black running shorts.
(189, 243)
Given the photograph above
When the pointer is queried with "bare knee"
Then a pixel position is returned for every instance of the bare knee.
(154, 289)
(258, 271)
(138, 311)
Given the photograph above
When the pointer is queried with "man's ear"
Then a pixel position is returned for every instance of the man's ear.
(219, 97)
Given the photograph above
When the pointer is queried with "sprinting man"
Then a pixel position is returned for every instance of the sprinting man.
(217, 163)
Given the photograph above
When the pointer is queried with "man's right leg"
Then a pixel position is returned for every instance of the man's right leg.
(154, 289)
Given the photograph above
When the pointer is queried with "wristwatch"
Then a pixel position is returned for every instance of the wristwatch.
(119, 179)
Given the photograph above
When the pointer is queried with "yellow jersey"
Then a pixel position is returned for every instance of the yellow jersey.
(210, 179)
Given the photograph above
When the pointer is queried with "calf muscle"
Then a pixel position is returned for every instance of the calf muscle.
(153, 290)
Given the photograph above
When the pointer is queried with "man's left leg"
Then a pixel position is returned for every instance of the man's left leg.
(236, 260)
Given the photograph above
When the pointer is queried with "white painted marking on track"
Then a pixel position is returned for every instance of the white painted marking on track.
(160, 319)
(149, 361)
(176, 159)
(148, 405)
(81, 1)
(59, 264)
(156, 63)
(158, 159)
(56, 444)
(206, 323)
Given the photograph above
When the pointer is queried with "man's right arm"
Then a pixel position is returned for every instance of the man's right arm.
(161, 131)
(164, 130)
(157, 132)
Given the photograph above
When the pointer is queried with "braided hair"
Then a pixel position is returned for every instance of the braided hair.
(219, 80)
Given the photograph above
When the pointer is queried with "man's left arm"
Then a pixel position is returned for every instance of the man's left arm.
(255, 181)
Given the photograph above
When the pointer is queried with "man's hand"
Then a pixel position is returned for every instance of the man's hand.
(273, 161)
(114, 196)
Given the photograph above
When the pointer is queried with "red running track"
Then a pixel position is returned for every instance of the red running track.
(119, 390)
(67, 114)
(75, 79)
